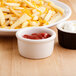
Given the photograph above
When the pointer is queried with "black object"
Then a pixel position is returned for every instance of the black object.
(66, 39)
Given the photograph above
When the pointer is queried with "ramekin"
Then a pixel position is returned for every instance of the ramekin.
(66, 39)
(35, 49)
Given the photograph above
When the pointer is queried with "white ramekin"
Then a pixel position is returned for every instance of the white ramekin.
(35, 49)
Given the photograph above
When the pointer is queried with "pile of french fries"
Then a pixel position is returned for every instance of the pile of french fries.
(16, 14)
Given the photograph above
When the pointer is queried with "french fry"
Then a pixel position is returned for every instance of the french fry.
(47, 0)
(42, 16)
(7, 23)
(35, 12)
(8, 16)
(14, 12)
(25, 24)
(35, 18)
(18, 8)
(11, 22)
(48, 16)
(22, 19)
(12, 4)
(2, 18)
(53, 13)
(57, 8)
(42, 9)
(5, 9)
(55, 18)
(6, 27)
(13, 18)
(18, 11)
(34, 24)
(0, 3)
(31, 5)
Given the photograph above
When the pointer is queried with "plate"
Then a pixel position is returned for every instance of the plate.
(67, 14)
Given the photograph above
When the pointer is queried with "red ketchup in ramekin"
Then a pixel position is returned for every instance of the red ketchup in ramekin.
(37, 36)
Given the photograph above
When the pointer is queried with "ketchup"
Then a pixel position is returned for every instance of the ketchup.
(37, 36)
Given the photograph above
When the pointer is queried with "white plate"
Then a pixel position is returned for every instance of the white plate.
(67, 14)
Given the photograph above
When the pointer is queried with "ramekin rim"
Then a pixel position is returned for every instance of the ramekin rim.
(74, 21)
(31, 40)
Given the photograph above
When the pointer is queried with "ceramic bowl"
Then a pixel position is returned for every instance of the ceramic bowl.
(35, 49)
(66, 39)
